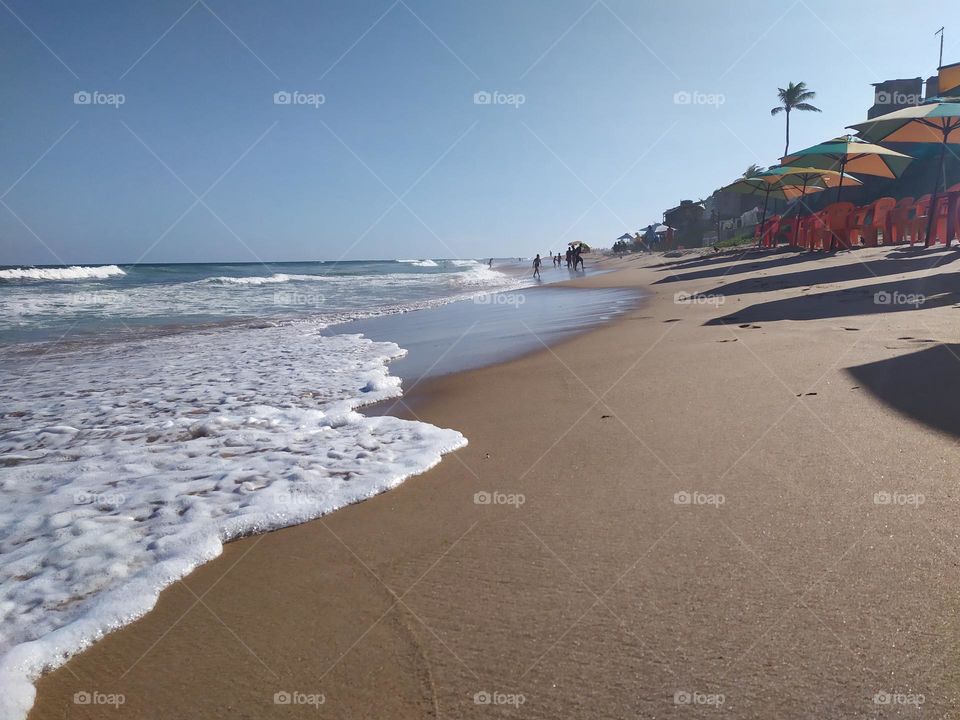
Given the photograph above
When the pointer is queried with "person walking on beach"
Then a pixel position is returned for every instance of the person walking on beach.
(569, 257)
(536, 266)
(577, 258)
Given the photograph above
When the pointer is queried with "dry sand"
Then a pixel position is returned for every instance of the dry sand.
(795, 591)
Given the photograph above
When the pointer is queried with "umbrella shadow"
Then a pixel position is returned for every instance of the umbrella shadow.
(746, 265)
(839, 273)
(913, 295)
(923, 385)
(721, 257)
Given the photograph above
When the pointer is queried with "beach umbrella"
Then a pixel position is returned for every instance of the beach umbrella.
(812, 177)
(625, 236)
(936, 121)
(772, 183)
(850, 154)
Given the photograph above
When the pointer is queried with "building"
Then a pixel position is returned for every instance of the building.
(891, 95)
(688, 221)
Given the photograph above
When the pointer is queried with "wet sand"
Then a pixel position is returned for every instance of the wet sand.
(747, 504)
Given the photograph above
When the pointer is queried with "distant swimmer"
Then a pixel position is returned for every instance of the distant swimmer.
(536, 266)
(490, 264)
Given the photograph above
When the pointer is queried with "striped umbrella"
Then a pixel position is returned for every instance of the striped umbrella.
(850, 154)
(935, 121)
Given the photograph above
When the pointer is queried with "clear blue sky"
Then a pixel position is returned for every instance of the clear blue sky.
(598, 147)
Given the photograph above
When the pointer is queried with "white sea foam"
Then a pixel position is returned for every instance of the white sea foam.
(76, 272)
(126, 466)
(256, 280)
(420, 263)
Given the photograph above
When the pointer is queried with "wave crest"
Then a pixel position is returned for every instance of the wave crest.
(74, 272)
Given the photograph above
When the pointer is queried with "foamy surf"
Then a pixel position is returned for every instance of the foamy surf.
(76, 272)
(129, 465)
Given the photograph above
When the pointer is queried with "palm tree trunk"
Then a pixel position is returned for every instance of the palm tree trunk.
(786, 148)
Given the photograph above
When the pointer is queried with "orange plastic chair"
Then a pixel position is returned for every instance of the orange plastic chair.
(899, 220)
(878, 222)
(917, 221)
(788, 227)
(771, 229)
(859, 220)
(835, 229)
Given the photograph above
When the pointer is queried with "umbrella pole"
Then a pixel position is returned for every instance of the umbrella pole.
(763, 217)
(796, 221)
(932, 212)
(843, 167)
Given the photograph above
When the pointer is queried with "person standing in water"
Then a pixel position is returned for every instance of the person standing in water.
(536, 266)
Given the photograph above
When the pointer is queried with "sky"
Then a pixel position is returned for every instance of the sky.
(215, 131)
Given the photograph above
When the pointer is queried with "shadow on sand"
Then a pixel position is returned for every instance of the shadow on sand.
(747, 264)
(890, 265)
(912, 295)
(924, 385)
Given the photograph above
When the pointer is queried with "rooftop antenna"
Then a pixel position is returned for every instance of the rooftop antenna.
(940, 33)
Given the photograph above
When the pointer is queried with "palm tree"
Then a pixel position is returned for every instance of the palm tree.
(752, 171)
(794, 97)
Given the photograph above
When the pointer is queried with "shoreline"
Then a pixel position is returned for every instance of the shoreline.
(597, 595)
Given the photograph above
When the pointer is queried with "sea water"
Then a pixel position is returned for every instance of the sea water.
(151, 413)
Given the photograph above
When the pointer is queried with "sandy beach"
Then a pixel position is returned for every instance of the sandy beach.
(742, 502)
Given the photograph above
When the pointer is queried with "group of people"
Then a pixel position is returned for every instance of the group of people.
(574, 258)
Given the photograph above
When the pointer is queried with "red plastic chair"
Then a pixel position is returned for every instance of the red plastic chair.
(899, 220)
(788, 227)
(835, 229)
(859, 220)
(771, 228)
(876, 222)
(917, 221)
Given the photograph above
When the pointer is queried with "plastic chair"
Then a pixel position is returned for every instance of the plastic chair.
(771, 228)
(835, 229)
(917, 221)
(899, 220)
(859, 220)
(877, 222)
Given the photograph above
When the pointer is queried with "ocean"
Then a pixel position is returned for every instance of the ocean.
(151, 413)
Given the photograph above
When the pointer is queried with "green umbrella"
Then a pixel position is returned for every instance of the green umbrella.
(848, 153)
(780, 184)
(812, 177)
(935, 121)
